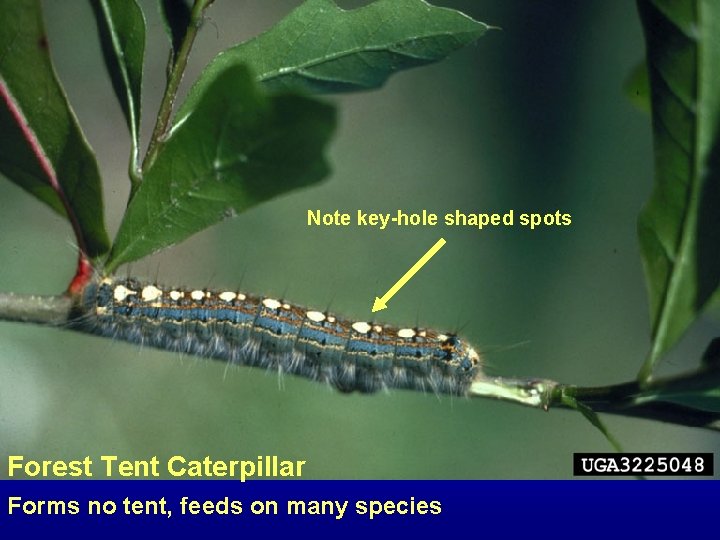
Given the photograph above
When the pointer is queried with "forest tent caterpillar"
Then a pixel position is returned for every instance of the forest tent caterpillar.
(264, 332)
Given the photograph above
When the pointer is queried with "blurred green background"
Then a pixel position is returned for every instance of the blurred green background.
(532, 118)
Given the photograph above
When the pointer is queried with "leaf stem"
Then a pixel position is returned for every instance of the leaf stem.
(173, 83)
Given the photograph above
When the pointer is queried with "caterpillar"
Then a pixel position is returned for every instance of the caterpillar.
(273, 334)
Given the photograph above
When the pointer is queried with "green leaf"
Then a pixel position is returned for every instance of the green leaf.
(320, 48)
(237, 148)
(700, 391)
(679, 228)
(41, 146)
(121, 25)
(637, 87)
(592, 417)
(176, 15)
(711, 357)
(707, 399)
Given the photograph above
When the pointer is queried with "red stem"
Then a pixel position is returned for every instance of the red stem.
(84, 268)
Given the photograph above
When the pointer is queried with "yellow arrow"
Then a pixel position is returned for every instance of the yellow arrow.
(381, 303)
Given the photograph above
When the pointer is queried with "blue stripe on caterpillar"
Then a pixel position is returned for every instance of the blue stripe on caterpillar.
(263, 332)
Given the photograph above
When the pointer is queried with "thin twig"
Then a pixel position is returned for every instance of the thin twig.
(529, 392)
(173, 83)
(45, 310)
(627, 399)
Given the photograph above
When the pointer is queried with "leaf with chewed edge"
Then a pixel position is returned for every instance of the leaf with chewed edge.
(42, 148)
(237, 148)
(321, 48)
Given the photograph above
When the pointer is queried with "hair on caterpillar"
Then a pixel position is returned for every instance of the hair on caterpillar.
(263, 332)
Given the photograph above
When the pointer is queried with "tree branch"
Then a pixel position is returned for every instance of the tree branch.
(45, 310)
(627, 399)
